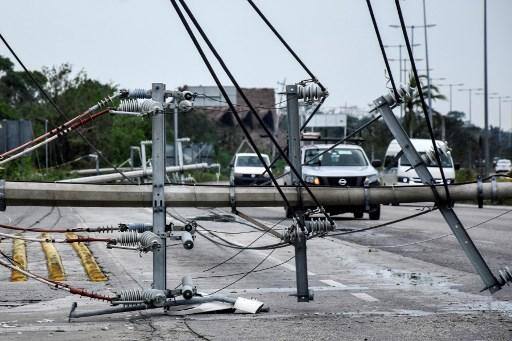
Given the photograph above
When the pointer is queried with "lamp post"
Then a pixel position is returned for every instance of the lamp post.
(451, 85)
(470, 91)
(510, 132)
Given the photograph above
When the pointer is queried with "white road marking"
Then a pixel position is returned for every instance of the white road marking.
(365, 297)
(332, 283)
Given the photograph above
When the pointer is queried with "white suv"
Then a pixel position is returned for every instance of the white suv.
(248, 170)
(343, 166)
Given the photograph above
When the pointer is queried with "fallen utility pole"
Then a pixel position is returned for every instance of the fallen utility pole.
(91, 195)
(137, 173)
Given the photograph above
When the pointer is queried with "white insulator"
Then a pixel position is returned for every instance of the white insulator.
(150, 105)
(185, 105)
(129, 238)
(149, 241)
(309, 92)
(139, 93)
(129, 105)
(153, 297)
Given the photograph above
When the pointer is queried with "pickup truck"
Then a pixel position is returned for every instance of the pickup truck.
(343, 166)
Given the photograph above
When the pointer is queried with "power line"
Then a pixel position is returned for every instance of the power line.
(57, 108)
(423, 105)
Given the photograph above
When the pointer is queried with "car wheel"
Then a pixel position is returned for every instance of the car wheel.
(374, 212)
(358, 214)
(289, 213)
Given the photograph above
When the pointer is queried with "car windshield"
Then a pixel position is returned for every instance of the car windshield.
(335, 157)
(503, 162)
(250, 161)
(446, 160)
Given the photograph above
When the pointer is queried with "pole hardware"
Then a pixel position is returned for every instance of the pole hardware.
(480, 191)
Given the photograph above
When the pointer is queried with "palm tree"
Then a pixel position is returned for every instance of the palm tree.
(413, 107)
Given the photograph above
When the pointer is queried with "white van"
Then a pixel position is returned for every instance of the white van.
(398, 171)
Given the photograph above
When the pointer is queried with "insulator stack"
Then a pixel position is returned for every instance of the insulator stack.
(318, 226)
(139, 93)
(310, 92)
(106, 229)
(129, 105)
(138, 227)
(505, 276)
(149, 241)
(134, 105)
(152, 297)
(146, 241)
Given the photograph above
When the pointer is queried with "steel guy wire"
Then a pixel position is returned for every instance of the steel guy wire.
(424, 106)
(57, 109)
(55, 284)
(245, 274)
(444, 235)
(252, 110)
(384, 224)
(383, 50)
(224, 93)
(297, 58)
(226, 243)
(241, 273)
(349, 136)
(242, 250)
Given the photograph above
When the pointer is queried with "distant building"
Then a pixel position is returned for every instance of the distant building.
(14, 133)
(211, 99)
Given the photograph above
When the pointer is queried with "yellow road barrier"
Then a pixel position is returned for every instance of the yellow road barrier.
(90, 265)
(53, 260)
(19, 255)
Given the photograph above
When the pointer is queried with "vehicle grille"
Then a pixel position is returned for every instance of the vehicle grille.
(352, 181)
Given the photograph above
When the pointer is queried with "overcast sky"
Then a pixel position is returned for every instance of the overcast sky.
(133, 43)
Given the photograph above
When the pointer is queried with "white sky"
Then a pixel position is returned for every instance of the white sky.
(134, 43)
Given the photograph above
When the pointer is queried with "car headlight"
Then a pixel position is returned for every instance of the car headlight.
(312, 179)
(403, 179)
(371, 179)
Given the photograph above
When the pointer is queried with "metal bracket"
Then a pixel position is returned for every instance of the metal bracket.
(480, 191)
(232, 197)
(493, 189)
(366, 186)
(383, 105)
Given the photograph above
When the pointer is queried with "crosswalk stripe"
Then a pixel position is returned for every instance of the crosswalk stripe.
(53, 260)
(90, 265)
(19, 255)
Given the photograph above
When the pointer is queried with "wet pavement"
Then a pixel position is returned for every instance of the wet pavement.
(366, 286)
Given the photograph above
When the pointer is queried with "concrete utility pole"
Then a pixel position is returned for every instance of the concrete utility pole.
(89, 195)
(294, 153)
(159, 208)
(470, 92)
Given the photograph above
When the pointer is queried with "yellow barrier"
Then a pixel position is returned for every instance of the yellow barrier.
(90, 265)
(19, 255)
(53, 260)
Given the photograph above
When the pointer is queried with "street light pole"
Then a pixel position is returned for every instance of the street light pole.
(470, 92)
(486, 98)
(451, 85)
(425, 27)
(510, 132)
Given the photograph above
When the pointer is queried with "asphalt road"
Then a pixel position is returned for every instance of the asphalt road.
(367, 285)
